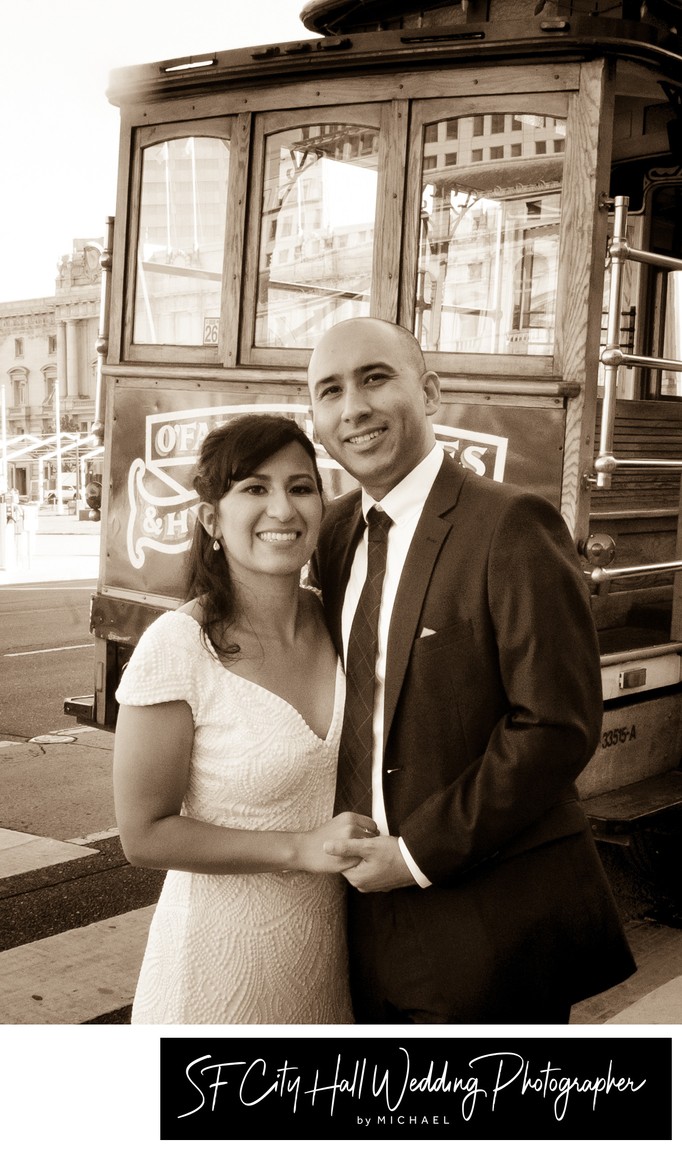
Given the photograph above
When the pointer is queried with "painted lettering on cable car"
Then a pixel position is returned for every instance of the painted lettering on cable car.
(161, 497)
(618, 735)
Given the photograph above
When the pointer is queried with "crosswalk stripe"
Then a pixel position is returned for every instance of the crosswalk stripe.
(73, 977)
(20, 853)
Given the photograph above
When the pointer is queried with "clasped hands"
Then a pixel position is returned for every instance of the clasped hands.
(368, 860)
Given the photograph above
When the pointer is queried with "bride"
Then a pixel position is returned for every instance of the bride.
(225, 754)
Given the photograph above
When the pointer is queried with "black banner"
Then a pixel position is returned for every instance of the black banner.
(416, 1088)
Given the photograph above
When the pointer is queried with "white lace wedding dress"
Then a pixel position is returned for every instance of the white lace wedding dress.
(252, 948)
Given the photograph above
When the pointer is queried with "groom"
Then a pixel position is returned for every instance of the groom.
(473, 703)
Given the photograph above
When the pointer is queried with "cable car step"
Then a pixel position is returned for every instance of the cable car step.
(617, 812)
(82, 706)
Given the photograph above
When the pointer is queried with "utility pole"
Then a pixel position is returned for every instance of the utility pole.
(57, 420)
(3, 480)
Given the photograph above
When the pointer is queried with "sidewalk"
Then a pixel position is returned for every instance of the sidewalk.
(64, 547)
(75, 916)
(83, 964)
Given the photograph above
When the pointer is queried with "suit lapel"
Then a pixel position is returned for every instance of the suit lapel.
(432, 530)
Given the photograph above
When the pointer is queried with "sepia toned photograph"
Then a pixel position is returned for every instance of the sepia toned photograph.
(340, 567)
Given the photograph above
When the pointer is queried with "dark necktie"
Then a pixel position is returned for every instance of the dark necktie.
(354, 787)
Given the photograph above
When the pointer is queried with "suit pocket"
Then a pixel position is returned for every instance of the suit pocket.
(453, 655)
(438, 689)
(454, 635)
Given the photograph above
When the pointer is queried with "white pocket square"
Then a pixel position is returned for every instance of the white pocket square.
(426, 631)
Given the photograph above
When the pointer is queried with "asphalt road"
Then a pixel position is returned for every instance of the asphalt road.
(60, 791)
(46, 654)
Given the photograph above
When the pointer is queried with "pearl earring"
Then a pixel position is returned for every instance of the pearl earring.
(216, 545)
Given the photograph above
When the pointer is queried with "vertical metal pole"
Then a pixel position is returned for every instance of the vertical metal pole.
(3, 480)
(611, 362)
(97, 429)
(57, 420)
(3, 441)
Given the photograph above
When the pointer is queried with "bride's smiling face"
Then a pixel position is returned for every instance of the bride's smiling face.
(269, 522)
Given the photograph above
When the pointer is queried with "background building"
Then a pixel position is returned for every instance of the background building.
(48, 373)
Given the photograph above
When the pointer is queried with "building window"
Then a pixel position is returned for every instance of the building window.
(18, 349)
(431, 134)
(50, 383)
(497, 153)
(51, 345)
(497, 123)
(18, 383)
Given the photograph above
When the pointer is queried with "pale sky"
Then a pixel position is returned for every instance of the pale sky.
(59, 133)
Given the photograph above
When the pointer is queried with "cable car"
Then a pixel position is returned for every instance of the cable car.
(503, 178)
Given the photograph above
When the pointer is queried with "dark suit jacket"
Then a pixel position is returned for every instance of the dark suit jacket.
(488, 722)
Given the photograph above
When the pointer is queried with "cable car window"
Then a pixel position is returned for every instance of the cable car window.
(671, 381)
(317, 231)
(181, 240)
(489, 234)
(666, 239)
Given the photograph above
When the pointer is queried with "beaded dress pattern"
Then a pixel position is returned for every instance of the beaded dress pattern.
(242, 948)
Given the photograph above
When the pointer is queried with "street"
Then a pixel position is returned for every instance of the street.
(46, 653)
(73, 913)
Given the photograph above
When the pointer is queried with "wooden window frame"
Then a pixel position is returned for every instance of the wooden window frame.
(402, 102)
(216, 127)
(423, 112)
(381, 116)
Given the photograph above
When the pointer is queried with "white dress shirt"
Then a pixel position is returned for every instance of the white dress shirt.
(404, 504)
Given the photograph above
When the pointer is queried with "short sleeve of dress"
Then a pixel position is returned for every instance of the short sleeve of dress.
(165, 664)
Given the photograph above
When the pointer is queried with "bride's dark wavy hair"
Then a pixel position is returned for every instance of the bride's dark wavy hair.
(229, 454)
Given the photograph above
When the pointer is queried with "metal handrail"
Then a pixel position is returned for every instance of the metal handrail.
(636, 654)
(613, 357)
(621, 246)
(607, 464)
(105, 255)
(601, 575)
(618, 358)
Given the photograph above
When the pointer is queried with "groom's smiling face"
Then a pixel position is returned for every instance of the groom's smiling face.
(371, 398)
